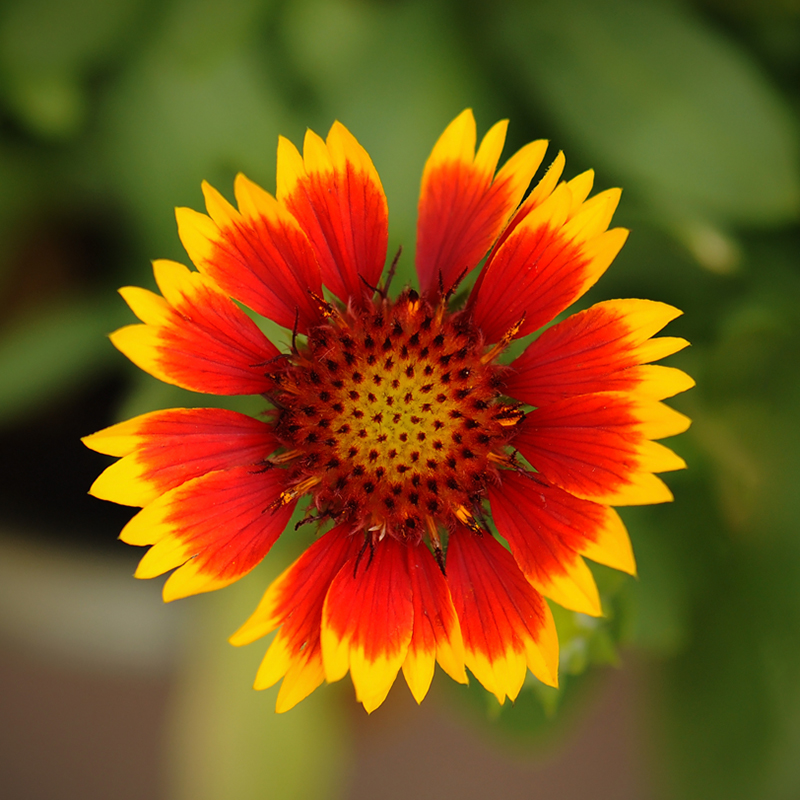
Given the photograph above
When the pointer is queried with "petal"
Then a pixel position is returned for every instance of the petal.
(580, 187)
(195, 336)
(163, 449)
(598, 446)
(539, 193)
(367, 621)
(547, 528)
(436, 635)
(216, 528)
(463, 205)
(294, 602)
(543, 189)
(335, 194)
(600, 350)
(553, 255)
(302, 677)
(506, 625)
(258, 254)
(543, 523)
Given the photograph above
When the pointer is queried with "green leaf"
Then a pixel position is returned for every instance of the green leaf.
(656, 605)
(62, 34)
(46, 353)
(46, 49)
(670, 106)
(731, 702)
(185, 111)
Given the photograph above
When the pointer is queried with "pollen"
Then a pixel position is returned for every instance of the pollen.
(390, 417)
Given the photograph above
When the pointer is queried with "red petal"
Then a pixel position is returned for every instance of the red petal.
(164, 449)
(463, 206)
(540, 193)
(218, 526)
(437, 635)
(547, 529)
(294, 603)
(258, 254)
(195, 336)
(368, 620)
(554, 255)
(599, 350)
(335, 194)
(545, 526)
(506, 625)
(598, 446)
(294, 600)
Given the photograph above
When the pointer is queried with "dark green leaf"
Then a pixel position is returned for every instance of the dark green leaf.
(670, 106)
(49, 352)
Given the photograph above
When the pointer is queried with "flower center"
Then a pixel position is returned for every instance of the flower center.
(389, 416)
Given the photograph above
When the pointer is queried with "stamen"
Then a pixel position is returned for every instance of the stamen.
(433, 531)
(465, 517)
(309, 518)
(384, 290)
(367, 543)
(504, 342)
(452, 290)
(369, 286)
(285, 458)
(287, 495)
(388, 417)
(509, 416)
(440, 309)
(328, 310)
(503, 459)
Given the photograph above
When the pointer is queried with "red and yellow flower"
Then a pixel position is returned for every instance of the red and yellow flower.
(395, 418)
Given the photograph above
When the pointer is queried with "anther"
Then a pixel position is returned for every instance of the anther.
(503, 459)
(283, 458)
(467, 519)
(287, 495)
(503, 343)
(509, 416)
(328, 311)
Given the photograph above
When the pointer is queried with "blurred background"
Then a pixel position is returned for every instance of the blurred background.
(113, 111)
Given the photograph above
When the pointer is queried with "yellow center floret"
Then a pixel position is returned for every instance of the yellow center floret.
(390, 417)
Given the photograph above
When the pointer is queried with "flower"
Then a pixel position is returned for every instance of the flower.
(394, 416)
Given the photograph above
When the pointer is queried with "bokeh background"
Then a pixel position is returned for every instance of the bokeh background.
(113, 111)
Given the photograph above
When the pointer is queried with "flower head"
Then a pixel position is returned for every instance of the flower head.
(395, 417)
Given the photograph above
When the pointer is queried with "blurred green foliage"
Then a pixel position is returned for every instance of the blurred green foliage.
(112, 112)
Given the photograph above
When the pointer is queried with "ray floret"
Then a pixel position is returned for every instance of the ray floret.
(455, 494)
